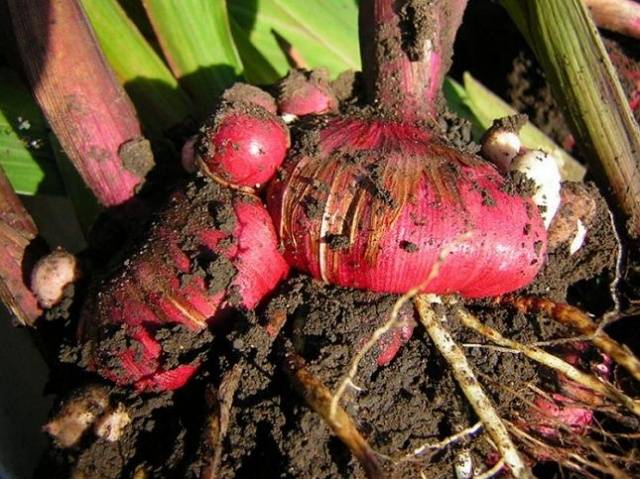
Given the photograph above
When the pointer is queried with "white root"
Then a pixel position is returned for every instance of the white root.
(471, 388)
(463, 465)
(347, 381)
(614, 313)
(436, 446)
(571, 460)
(541, 356)
(492, 472)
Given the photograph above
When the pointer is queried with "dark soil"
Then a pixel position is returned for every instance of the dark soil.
(398, 407)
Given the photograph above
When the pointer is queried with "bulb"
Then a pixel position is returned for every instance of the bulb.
(211, 251)
(51, 275)
(501, 146)
(242, 145)
(306, 93)
(542, 169)
(377, 205)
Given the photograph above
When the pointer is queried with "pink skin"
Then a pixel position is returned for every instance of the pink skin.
(635, 24)
(391, 342)
(634, 103)
(308, 100)
(150, 293)
(313, 96)
(383, 201)
(572, 408)
(561, 411)
(497, 241)
(246, 150)
(622, 16)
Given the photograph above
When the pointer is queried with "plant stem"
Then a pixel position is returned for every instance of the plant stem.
(17, 231)
(86, 107)
(406, 49)
(577, 66)
(622, 16)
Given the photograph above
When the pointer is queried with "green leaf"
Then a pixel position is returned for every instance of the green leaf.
(25, 152)
(487, 106)
(257, 68)
(158, 98)
(324, 32)
(459, 103)
(195, 36)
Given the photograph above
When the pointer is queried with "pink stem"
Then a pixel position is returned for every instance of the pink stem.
(86, 107)
(17, 231)
(406, 48)
(622, 16)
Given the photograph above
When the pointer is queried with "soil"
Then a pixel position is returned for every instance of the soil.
(597, 254)
(398, 407)
(136, 156)
(240, 416)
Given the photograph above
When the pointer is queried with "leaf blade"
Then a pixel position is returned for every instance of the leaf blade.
(196, 39)
(155, 92)
(323, 31)
(25, 153)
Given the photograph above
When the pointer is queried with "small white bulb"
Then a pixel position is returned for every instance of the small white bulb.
(542, 169)
(500, 146)
(110, 425)
(288, 118)
(51, 274)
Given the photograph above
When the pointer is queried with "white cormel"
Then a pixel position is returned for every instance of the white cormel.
(51, 275)
(501, 146)
(542, 169)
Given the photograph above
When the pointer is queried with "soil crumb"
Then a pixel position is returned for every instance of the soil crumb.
(136, 156)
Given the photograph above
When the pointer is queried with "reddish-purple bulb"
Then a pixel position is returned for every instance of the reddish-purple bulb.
(242, 145)
(381, 205)
(211, 251)
(306, 93)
